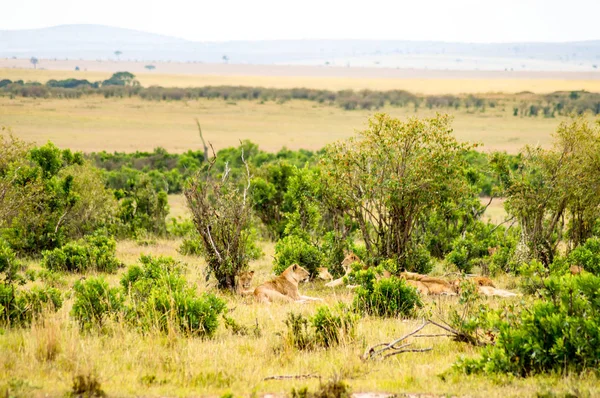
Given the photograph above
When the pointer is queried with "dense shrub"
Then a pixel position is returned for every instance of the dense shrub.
(325, 329)
(294, 250)
(587, 256)
(19, 307)
(387, 297)
(95, 302)
(93, 253)
(560, 333)
(161, 299)
(9, 265)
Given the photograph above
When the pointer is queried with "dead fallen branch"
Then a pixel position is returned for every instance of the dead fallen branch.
(386, 350)
(296, 377)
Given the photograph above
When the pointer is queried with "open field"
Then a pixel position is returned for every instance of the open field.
(94, 123)
(420, 81)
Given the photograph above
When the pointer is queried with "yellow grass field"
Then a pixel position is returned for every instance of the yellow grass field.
(420, 82)
(44, 359)
(94, 123)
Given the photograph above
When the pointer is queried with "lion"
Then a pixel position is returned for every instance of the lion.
(576, 269)
(285, 287)
(477, 280)
(492, 291)
(324, 274)
(244, 281)
(420, 286)
(434, 286)
(350, 259)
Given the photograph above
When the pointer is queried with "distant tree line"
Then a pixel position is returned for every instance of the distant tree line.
(124, 84)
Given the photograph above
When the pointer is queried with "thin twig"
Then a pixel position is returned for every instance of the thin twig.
(287, 377)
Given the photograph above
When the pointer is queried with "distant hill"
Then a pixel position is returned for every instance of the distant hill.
(100, 42)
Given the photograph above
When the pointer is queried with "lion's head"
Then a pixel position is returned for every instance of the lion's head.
(245, 279)
(350, 259)
(324, 274)
(296, 272)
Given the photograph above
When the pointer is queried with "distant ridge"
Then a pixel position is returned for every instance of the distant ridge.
(94, 42)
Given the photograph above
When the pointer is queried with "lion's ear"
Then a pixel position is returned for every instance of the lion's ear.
(295, 267)
(251, 272)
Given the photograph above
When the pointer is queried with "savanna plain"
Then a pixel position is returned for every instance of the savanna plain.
(252, 351)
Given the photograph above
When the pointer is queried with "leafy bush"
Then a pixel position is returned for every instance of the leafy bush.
(461, 255)
(325, 329)
(294, 250)
(417, 259)
(9, 265)
(560, 333)
(388, 297)
(587, 256)
(95, 252)
(161, 299)
(20, 307)
(95, 301)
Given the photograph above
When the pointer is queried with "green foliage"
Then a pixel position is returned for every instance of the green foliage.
(95, 302)
(558, 334)
(552, 184)
(327, 328)
(387, 297)
(161, 299)
(142, 208)
(62, 198)
(95, 252)
(294, 250)
(587, 256)
(9, 265)
(19, 307)
(391, 176)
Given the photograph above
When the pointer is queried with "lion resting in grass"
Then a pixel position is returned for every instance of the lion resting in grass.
(428, 284)
(284, 287)
(350, 259)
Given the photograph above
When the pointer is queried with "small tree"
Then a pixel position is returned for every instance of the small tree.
(118, 53)
(221, 212)
(553, 183)
(34, 61)
(150, 67)
(389, 177)
(225, 58)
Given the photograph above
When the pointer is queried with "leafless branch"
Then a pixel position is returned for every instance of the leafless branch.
(203, 142)
(296, 377)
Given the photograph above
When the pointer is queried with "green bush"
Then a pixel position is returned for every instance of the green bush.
(333, 327)
(95, 252)
(388, 297)
(160, 298)
(587, 256)
(560, 333)
(9, 265)
(294, 250)
(325, 329)
(95, 301)
(20, 307)
(417, 259)
(461, 255)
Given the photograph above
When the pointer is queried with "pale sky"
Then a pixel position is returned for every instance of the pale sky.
(217, 20)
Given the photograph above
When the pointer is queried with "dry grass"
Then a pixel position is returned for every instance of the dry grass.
(417, 81)
(95, 123)
(44, 359)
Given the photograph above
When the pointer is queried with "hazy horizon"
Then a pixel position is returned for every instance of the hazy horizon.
(465, 21)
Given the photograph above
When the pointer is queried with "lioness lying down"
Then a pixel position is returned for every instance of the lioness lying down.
(284, 287)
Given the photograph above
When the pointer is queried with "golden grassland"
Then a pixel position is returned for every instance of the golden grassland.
(420, 83)
(94, 123)
(43, 360)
